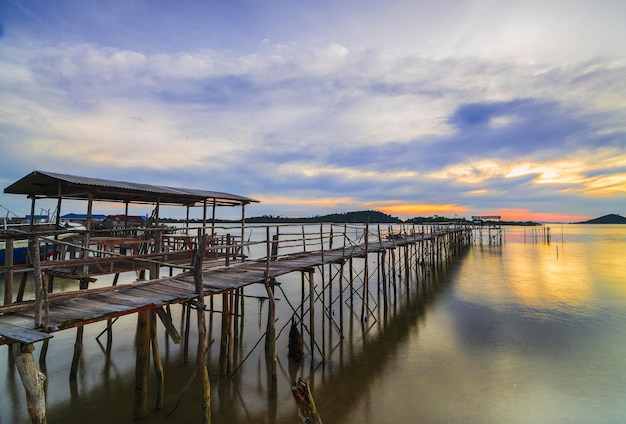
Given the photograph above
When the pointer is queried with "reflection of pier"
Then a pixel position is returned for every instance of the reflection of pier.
(208, 264)
(489, 228)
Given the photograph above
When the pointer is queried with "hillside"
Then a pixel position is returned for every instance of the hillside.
(607, 219)
(360, 216)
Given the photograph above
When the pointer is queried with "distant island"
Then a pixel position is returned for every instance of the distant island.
(611, 218)
(371, 216)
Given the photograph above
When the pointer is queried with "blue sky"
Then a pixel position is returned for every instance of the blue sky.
(414, 108)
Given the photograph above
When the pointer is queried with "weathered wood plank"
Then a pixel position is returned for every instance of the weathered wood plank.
(22, 334)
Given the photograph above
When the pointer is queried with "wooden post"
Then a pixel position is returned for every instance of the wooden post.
(142, 366)
(306, 405)
(341, 296)
(270, 339)
(231, 342)
(33, 247)
(223, 360)
(8, 274)
(365, 303)
(78, 343)
(205, 404)
(156, 359)
(33, 381)
(312, 314)
(187, 319)
(243, 230)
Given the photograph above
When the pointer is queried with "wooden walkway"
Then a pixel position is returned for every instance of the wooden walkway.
(81, 307)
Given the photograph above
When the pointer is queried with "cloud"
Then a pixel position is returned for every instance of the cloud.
(473, 111)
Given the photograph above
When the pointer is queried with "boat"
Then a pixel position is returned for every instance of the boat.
(14, 224)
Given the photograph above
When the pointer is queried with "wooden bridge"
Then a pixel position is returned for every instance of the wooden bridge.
(208, 260)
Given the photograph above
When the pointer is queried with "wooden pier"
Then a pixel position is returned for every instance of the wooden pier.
(203, 262)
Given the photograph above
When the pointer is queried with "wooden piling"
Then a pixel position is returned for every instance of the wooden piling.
(366, 297)
(142, 365)
(223, 360)
(156, 359)
(312, 314)
(33, 381)
(205, 404)
(8, 274)
(78, 343)
(271, 338)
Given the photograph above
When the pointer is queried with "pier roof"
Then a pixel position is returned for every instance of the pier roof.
(42, 184)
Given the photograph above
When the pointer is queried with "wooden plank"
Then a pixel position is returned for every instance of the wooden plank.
(22, 334)
(159, 298)
(162, 289)
(91, 306)
(120, 299)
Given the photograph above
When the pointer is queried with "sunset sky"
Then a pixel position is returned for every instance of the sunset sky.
(413, 108)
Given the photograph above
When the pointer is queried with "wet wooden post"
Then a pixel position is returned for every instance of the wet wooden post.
(78, 343)
(110, 321)
(40, 291)
(243, 230)
(312, 313)
(407, 265)
(270, 338)
(224, 335)
(341, 295)
(23, 279)
(351, 281)
(365, 302)
(142, 365)
(156, 359)
(205, 404)
(393, 267)
(33, 381)
(8, 274)
(416, 256)
(383, 258)
(302, 295)
(323, 297)
(230, 346)
(154, 341)
(187, 319)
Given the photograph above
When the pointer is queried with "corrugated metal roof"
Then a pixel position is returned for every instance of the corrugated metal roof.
(51, 184)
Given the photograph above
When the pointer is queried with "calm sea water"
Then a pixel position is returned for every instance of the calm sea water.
(524, 332)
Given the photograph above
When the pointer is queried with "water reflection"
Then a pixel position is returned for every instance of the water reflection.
(512, 333)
